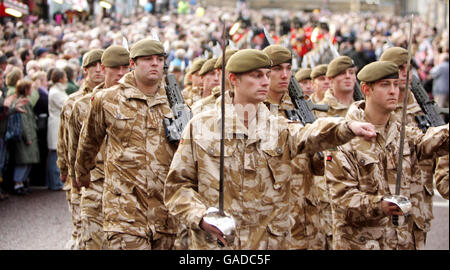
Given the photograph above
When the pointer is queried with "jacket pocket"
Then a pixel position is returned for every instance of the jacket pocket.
(124, 120)
(120, 203)
(280, 169)
(369, 172)
(277, 237)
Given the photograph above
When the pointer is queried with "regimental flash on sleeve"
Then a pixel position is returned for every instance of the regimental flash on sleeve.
(92, 98)
(329, 158)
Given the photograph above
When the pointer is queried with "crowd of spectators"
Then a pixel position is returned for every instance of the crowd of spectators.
(40, 62)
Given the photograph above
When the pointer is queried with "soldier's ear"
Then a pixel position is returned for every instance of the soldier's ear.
(233, 78)
(132, 63)
(365, 89)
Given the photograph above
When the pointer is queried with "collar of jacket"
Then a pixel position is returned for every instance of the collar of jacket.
(332, 101)
(356, 112)
(285, 104)
(260, 128)
(130, 90)
(413, 107)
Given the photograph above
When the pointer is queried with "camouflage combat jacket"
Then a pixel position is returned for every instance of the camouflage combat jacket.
(62, 148)
(78, 114)
(335, 108)
(207, 103)
(195, 94)
(441, 176)
(257, 173)
(305, 201)
(425, 168)
(186, 92)
(360, 173)
(137, 157)
(315, 99)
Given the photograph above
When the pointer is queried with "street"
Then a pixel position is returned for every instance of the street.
(41, 221)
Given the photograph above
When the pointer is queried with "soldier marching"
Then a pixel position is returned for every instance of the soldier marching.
(286, 184)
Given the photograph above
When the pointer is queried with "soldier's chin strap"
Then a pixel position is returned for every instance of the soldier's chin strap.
(397, 198)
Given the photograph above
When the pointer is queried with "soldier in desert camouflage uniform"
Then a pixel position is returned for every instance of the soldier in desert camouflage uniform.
(94, 76)
(303, 77)
(258, 148)
(130, 115)
(305, 204)
(425, 169)
(209, 102)
(115, 63)
(320, 83)
(341, 72)
(193, 93)
(441, 176)
(360, 174)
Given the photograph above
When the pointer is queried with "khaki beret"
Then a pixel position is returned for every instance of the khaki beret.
(207, 66)
(278, 54)
(318, 71)
(146, 47)
(186, 81)
(248, 60)
(228, 54)
(197, 65)
(339, 65)
(398, 55)
(378, 70)
(303, 74)
(115, 56)
(92, 56)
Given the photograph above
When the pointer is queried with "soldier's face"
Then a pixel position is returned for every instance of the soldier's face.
(251, 87)
(114, 74)
(196, 80)
(149, 69)
(94, 73)
(384, 94)
(280, 76)
(321, 84)
(210, 80)
(345, 81)
(402, 77)
(307, 87)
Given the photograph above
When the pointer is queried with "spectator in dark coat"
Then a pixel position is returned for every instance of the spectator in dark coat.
(26, 150)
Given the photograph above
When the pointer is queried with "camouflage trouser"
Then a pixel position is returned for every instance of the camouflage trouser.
(326, 221)
(306, 231)
(76, 216)
(73, 238)
(122, 241)
(420, 238)
(92, 235)
(182, 240)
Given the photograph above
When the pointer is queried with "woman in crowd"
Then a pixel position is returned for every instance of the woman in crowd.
(26, 149)
(56, 97)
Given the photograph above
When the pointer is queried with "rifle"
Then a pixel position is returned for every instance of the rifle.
(174, 127)
(303, 111)
(431, 118)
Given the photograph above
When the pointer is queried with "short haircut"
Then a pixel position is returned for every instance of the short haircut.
(57, 75)
(14, 76)
(22, 87)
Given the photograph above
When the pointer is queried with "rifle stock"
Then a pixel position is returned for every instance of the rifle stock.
(175, 126)
(430, 108)
(357, 94)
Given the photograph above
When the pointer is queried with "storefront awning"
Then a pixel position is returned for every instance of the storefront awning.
(15, 8)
